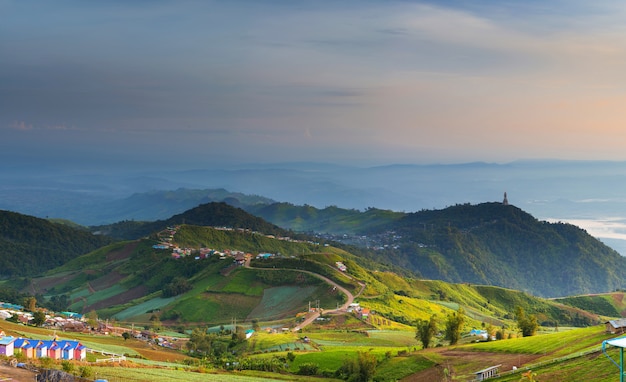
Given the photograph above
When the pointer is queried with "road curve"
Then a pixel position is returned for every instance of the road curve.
(314, 315)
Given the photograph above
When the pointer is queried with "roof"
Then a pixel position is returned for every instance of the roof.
(7, 340)
(23, 343)
(621, 323)
(617, 342)
(488, 369)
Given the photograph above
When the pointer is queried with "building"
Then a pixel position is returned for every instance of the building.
(55, 349)
(7, 346)
(616, 326)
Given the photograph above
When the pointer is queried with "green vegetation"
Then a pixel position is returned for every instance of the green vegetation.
(31, 246)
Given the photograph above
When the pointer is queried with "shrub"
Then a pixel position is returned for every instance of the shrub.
(67, 367)
(85, 372)
(308, 368)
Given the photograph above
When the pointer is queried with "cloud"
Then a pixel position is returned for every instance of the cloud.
(602, 228)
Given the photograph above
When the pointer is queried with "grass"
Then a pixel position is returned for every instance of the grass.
(557, 344)
(594, 367)
(114, 374)
(399, 367)
(278, 301)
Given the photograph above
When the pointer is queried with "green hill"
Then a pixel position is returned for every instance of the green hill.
(30, 246)
(502, 245)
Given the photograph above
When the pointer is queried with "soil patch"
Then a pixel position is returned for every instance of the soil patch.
(42, 285)
(123, 253)
(106, 281)
(464, 363)
(433, 374)
(15, 373)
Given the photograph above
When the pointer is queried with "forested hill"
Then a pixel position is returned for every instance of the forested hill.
(498, 244)
(29, 245)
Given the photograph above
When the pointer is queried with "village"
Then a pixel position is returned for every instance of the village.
(166, 242)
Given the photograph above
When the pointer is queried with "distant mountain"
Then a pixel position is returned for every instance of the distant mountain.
(29, 245)
(328, 220)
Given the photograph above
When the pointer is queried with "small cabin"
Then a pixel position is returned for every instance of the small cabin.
(616, 326)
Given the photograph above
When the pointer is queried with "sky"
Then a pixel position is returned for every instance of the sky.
(196, 83)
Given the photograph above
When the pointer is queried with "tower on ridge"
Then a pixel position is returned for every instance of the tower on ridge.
(505, 201)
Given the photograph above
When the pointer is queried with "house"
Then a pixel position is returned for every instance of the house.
(240, 259)
(54, 351)
(364, 314)
(41, 349)
(25, 346)
(67, 349)
(616, 326)
(80, 352)
(7, 345)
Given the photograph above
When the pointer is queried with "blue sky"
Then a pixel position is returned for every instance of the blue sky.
(359, 82)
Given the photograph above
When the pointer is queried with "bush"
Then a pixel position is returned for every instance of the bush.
(67, 367)
(86, 372)
(308, 368)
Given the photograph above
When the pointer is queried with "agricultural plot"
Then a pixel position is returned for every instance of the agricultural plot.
(279, 302)
(397, 368)
(215, 307)
(115, 374)
(328, 340)
(593, 367)
(144, 307)
(332, 359)
(394, 337)
(556, 343)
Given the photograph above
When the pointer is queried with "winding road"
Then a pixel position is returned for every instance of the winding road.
(312, 316)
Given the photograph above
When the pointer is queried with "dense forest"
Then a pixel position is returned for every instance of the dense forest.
(29, 245)
(496, 244)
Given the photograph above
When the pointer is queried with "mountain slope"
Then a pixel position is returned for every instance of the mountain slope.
(494, 244)
(29, 245)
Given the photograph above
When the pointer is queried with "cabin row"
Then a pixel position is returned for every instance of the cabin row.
(55, 349)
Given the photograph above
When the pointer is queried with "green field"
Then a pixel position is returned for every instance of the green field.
(144, 307)
(556, 344)
(278, 301)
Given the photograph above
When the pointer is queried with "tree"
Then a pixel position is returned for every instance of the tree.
(92, 319)
(527, 323)
(126, 335)
(156, 323)
(426, 329)
(361, 369)
(454, 326)
(30, 303)
(39, 318)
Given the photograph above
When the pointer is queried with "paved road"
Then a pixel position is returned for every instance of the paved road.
(314, 315)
